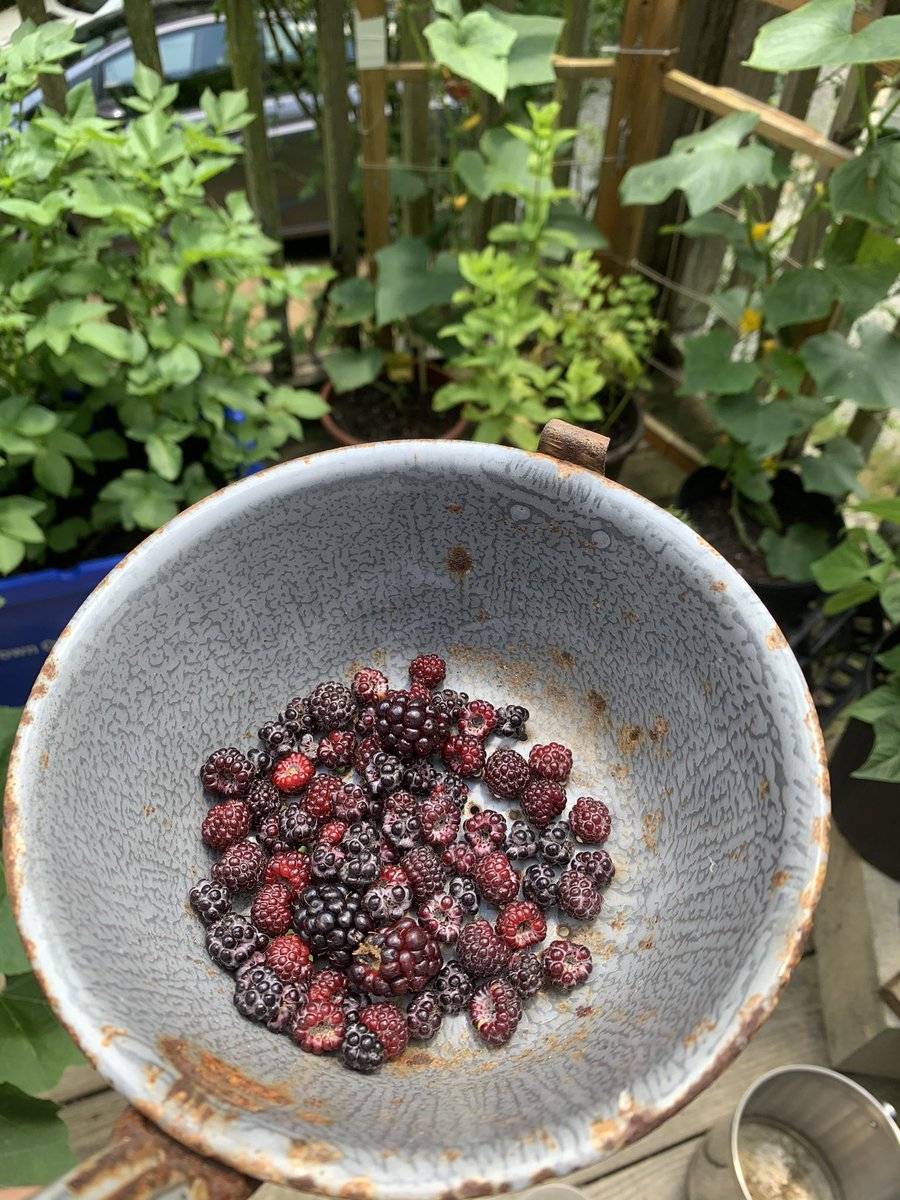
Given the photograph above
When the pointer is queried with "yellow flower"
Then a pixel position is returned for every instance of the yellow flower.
(770, 465)
(759, 230)
(750, 321)
(820, 188)
(470, 122)
(769, 345)
(460, 202)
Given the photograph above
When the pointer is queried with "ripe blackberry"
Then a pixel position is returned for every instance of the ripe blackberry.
(277, 739)
(442, 916)
(567, 964)
(420, 777)
(359, 871)
(438, 822)
(495, 878)
(423, 1016)
(290, 867)
(388, 853)
(383, 774)
(408, 727)
(211, 901)
(452, 787)
(589, 820)
(401, 803)
(525, 973)
(596, 864)
(227, 773)
(521, 841)
(389, 898)
(427, 669)
(460, 859)
(477, 719)
(402, 957)
(543, 801)
(555, 843)
(232, 940)
(240, 868)
(326, 861)
(364, 725)
(296, 826)
(485, 831)
(425, 872)
(361, 1050)
(521, 924)
(418, 691)
(262, 799)
(552, 761)
(360, 838)
(481, 951)
(261, 760)
(319, 1026)
(389, 1026)
(332, 921)
(290, 959)
(268, 834)
(332, 833)
(401, 829)
(463, 755)
(271, 908)
(464, 892)
(369, 685)
(495, 1011)
(328, 984)
(261, 996)
(226, 824)
(331, 706)
(453, 986)
(365, 751)
(506, 774)
(297, 717)
(292, 773)
(351, 803)
(353, 1004)
(539, 885)
(511, 719)
(320, 794)
(450, 703)
(577, 896)
(335, 750)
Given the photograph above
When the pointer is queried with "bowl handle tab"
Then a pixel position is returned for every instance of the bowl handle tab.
(571, 443)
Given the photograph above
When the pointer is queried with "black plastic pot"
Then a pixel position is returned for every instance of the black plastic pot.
(866, 811)
(786, 601)
(624, 436)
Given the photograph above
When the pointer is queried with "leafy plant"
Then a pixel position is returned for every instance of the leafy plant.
(543, 333)
(133, 335)
(767, 376)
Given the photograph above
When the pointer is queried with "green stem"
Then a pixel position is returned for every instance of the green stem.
(737, 518)
(864, 102)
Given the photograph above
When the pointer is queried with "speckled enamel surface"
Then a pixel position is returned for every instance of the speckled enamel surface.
(624, 634)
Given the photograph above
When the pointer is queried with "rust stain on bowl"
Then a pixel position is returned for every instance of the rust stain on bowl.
(775, 639)
(646, 943)
(819, 835)
(720, 586)
(652, 823)
(810, 894)
(454, 508)
(659, 730)
(763, 789)
(629, 738)
(310, 1151)
(605, 1134)
(202, 1075)
(314, 1118)
(109, 1033)
(779, 879)
(618, 921)
(628, 615)
(705, 1025)
(563, 659)
(44, 760)
(618, 771)
(357, 1189)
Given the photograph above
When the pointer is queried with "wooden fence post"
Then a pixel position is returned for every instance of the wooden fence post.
(142, 31)
(334, 115)
(371, 58)
(650, 33)
(415, 119)
(574, 44)
(53, 87)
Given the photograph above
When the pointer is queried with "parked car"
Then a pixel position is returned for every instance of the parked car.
(193, 48)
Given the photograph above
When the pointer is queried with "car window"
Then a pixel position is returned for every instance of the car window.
(176, 50)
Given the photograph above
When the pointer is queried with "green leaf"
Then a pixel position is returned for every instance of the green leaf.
(143, 500)
(180, 365)
(17, 522)
(890, 659)
(712, 224)
(67, 534)
(791, 555)
(799, 296)
(350, 370)
(449, 8)
(475, 48)
(868, 187)
(729, 304)
(13, 959)
(585, 234)
(36, 421)
(54, 472)
(196, 483)
(36, 1048)
(849, 597)
(301, 402)
(107, 445)
(406, 284)
(890, 600)
(878, 703)
(842, 567)
(764, 428)
(353, 301)
(818, 34)
(835, 471)
(112, 340)
(405, 183)
(34, 1140)
(886, 510)
(9, 723)
(531, 56)
(869, 374)
(708, 366)
(164, 457)
(884, 761)
(499, 166)
(12, 551)
(708, 167)
(866, 281)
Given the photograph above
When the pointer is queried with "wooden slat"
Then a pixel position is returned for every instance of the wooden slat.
(565, 67)
(774, 125)
(374, 142)
(635, 120)
(91, 1120)
(76, 1083)
(662, 1177)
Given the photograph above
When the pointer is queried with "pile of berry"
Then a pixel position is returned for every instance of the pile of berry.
(345, 838)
